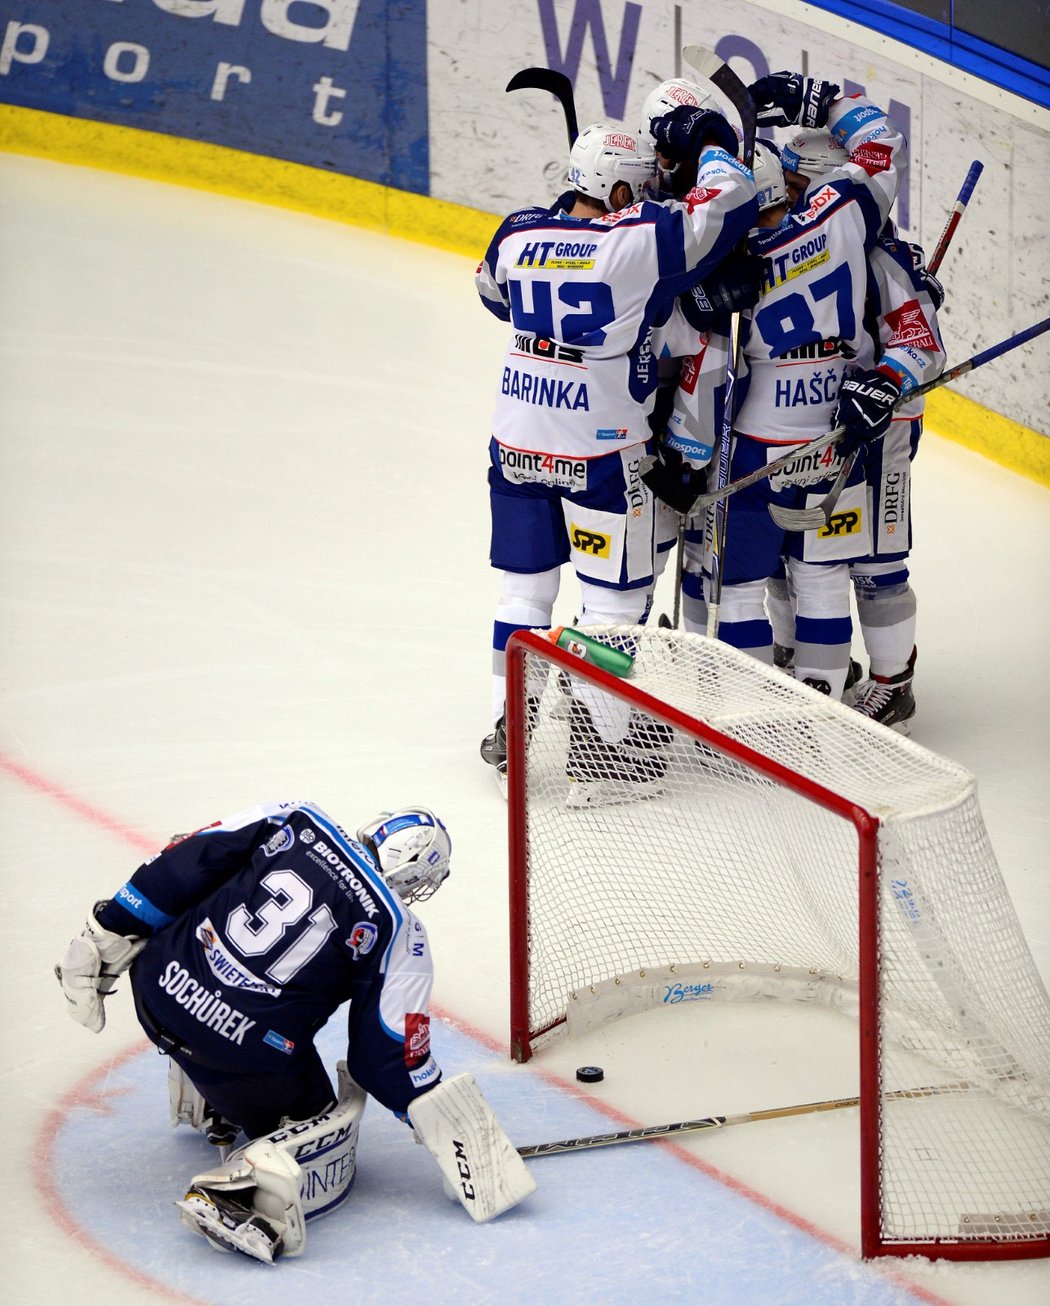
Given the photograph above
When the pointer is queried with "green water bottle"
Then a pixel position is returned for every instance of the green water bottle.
(581, 646)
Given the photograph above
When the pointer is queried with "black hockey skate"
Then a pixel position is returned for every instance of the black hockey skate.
(494, 746)
(854, 675)
(494, 752)
(602, 773)
(888, 700)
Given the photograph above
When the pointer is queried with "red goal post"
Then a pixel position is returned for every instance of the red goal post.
(710, 822)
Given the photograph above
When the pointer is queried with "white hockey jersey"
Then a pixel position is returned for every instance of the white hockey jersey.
(904, 321)
(809, 321)
(579, 375)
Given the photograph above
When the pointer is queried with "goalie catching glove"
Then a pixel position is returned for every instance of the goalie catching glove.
(865, 409)
(89, 970)
(786, 99)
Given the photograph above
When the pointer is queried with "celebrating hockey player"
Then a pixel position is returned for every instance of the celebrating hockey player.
(581, 290)
(691, 350)
(794, 383)
(903, 339)
(241, 940)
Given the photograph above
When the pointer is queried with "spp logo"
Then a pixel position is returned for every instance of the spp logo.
(591, 542)
(841, 524)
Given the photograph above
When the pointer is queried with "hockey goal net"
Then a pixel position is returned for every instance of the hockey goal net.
(708, 827)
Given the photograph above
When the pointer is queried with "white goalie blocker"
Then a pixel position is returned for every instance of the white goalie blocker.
(478, 1162)
(259, 1200)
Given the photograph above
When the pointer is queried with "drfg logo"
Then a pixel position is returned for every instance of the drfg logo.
(841, 523)
(592, 542)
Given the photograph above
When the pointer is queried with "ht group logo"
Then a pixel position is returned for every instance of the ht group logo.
(291, 78)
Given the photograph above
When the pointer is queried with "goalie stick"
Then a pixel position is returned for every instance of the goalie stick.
(831, 437)
(719, 73)
(546, 79)
(819, 516)
(649, 1133)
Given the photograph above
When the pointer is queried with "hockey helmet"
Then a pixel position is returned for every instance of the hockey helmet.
(667, 96)
(412, 848)
(813, 151)
(605, 154)
(769, 176)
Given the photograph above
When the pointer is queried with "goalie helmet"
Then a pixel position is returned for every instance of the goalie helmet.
(769, 176)
(412, 848)
(603, 155)
(668, 96)
(812, 152)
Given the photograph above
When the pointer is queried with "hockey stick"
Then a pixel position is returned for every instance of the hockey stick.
(720, 75)
(954, 218)
(650, 1132)
(546, 79)
(709, 65)
(830, 437)
(819, 516)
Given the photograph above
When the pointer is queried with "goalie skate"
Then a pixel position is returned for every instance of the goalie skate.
(229, 1225)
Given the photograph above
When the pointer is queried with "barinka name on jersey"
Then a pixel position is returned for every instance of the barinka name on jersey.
(580, 371)
(809, 321)
(260, 926)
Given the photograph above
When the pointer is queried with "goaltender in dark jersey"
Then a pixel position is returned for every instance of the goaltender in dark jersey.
(240, 965)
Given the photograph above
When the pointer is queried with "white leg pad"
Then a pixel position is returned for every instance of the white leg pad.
(185, 1102)
(476, 1158)
(304, 1169)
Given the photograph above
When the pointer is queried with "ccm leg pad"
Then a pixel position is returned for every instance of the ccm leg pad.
(258, 1202)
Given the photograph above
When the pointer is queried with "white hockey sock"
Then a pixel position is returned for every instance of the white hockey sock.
(888, 621)
(526, 602)
(823, 625)
(780, 607)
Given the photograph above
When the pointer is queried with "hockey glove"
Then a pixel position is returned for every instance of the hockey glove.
(866, 405)
(672, 480)
(930, 283)
(89, 970)
(786, 99)
(734, 287)
(686, 130)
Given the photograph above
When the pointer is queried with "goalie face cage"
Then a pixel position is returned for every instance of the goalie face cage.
(710, 823)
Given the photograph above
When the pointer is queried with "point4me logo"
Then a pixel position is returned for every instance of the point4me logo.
(303, 80)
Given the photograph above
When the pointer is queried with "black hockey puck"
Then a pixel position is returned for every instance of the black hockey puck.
(590, 1074)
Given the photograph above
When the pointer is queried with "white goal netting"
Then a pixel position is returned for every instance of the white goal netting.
(654, 868)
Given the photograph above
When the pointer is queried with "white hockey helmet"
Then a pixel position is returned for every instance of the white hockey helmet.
(667, 96)
(813, 151)
(769, 176)
(412, 848)
(605, 154)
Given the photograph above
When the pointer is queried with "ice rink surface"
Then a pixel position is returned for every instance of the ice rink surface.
(244, 541)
